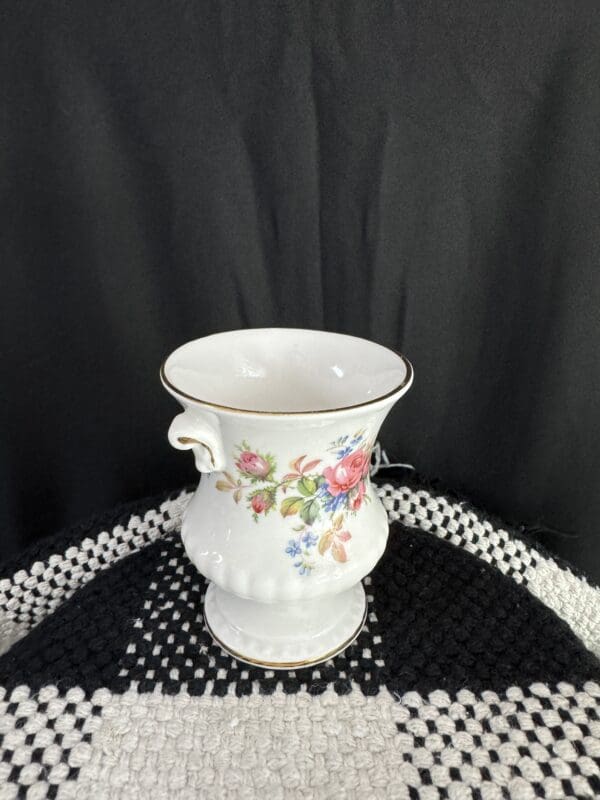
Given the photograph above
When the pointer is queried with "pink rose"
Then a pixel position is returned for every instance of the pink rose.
(347, 472)
(261, 502)
(356, 497)
(252, 464)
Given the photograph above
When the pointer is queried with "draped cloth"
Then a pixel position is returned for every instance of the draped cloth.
(422, 174)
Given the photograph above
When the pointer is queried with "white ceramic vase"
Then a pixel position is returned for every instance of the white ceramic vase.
(285, 522)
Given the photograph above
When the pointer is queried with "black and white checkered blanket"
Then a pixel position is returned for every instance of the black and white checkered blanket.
(476, 675)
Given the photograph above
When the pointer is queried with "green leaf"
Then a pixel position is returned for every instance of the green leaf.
(223, 486)
(291, 505)
(272, 492)
(255, 478)
(310, 511)
(270, 459)
(307, 486)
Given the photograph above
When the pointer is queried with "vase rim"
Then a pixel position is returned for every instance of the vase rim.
(382, 377)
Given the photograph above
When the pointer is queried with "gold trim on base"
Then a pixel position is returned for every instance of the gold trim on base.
(289, 664)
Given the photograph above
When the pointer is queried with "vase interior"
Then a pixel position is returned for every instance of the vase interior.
(285, 371)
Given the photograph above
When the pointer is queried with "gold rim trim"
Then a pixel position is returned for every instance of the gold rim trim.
(289, 664)
(407, 380)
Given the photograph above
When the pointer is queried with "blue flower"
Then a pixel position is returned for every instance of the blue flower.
(293, 549)
(343, 453)
(304, 568)
(333, 503)
(309, 539)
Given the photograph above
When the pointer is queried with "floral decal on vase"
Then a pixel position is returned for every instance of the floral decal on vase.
(319, 496)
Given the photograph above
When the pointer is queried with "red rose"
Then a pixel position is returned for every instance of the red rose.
(347, 472)
(261, 502)
(252, 464)
(356, 497)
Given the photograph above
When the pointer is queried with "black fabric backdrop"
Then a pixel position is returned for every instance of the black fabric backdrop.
(424, 174)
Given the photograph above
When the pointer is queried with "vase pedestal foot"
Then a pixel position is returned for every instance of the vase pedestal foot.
(285, 635)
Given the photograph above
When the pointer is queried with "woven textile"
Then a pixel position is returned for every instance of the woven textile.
(476, 675)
